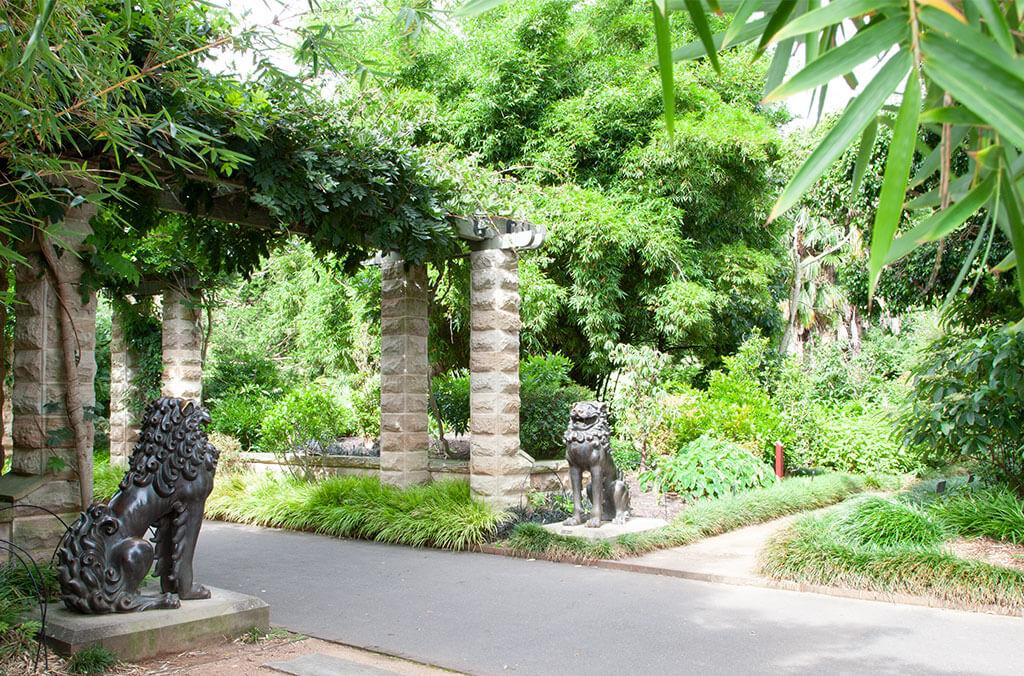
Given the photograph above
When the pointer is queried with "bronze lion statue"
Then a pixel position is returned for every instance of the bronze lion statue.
(105, 556)
(588, 449)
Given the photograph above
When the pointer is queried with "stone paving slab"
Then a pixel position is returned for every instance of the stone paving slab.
(317, 664)
(608, 530)
(139, 636)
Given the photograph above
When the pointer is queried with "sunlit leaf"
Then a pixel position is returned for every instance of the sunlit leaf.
(867, 145)
(832, 13)
(860, 111)
(837, 62)
(739, 20)
(46, 8)
(663, 43)
(700, 24)
(775, 23)
(696, 49)
(894, 181)
(944, 222)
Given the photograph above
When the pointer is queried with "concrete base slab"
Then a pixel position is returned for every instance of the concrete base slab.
(139, 636)
(608, 530)
(315, 664)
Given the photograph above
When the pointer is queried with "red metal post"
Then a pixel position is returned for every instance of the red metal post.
(779, 468)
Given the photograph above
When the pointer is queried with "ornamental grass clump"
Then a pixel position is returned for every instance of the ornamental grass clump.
(992, 512)
(441, 514)
(815, 550)
(882, 522)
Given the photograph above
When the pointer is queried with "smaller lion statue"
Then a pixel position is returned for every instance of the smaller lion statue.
(105, 556)
(588, 449)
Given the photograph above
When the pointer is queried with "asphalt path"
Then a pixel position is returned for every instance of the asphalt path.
(485, 614)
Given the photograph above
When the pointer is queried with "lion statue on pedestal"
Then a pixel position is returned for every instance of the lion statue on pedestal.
(105, 556)
(588, 449)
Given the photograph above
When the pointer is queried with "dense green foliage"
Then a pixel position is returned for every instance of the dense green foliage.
(547, 393)
(969, 402)
(704, 518)
(650, 241)
(306, 418)
(20, 589)
(441, 514)
(707, 467)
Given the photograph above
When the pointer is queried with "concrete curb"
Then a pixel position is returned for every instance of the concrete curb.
(767, 583)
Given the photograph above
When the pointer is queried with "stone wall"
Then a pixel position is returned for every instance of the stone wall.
(182, 346)
(498, 472)
(405, 376)
(44, 467)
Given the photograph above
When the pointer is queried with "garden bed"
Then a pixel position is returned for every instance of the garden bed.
(938, 548)
(702, 519)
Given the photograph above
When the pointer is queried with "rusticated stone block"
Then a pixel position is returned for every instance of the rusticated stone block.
(404, 369)
(182, 339)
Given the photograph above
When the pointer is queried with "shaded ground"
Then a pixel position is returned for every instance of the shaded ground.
(489, 614)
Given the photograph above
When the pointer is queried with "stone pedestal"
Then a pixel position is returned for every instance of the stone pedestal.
(499, 473)
(143, 635)
(405, 375)
(608, 530)
(44, 466)
(182, 346)
(124, 418)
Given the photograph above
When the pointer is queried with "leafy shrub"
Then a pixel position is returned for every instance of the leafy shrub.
(888, 523)
(105, 477)
(230, 450)
(708, 467)
(547, 394)
(992, 512)
(240, 415)
(451, 394)
(625, 455)
(235, 367)
(306, 417)
(851, 440)
(968, 402)
(366, 406)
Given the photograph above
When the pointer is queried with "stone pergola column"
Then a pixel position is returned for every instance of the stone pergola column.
(404, 373)
(44, 465)
(498, 472)
(124, 419)
(182, 343)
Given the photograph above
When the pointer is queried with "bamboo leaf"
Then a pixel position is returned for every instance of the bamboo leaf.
(860, 165)
(945, 7)
(832, 13)
(663, 39)
(1013, 211)
(857, 115)
(46, 8)
(944, 222)
(739, 20)
(775, 23)
(700, 23)
(996, 22)
(477, 7)
(780, 62)
(894, 181)
(696, 49)
(964, 269)
(844, 58)
(956, 115)
(1007, 264)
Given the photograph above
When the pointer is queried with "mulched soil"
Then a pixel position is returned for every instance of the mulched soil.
(990, 551)
(650, 503)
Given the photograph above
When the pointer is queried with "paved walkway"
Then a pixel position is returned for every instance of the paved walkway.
(490, 614)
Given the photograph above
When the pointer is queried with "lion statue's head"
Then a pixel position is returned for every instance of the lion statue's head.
(588, 414)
